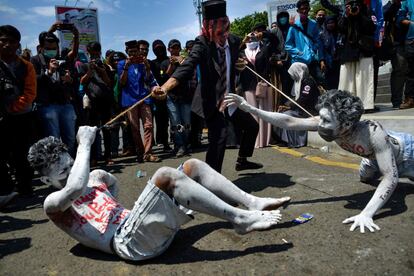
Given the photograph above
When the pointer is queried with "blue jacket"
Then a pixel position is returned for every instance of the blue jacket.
(407, 13)
(137, 87)
(301, 48)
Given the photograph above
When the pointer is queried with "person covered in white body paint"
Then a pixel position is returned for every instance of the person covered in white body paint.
(386, 153)
(86, 207)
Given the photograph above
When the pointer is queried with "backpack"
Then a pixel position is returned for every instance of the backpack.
(9, 88)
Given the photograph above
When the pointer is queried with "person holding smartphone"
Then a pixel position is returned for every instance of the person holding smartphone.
(136, 81)
(56, 84)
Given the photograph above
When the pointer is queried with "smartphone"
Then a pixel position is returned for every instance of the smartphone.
(66, 26)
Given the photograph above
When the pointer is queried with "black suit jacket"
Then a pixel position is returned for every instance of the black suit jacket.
(205, 55)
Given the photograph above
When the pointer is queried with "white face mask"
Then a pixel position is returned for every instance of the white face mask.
(252, 45)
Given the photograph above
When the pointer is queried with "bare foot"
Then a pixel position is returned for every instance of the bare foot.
(256, 220)
(268, 203)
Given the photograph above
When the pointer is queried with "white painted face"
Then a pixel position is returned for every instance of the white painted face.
(329, 126)
(57, 172)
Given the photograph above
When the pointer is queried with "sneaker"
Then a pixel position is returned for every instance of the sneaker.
(5, 199)
(408, 103)
(181, 152)
(247, 165)
(151, 158)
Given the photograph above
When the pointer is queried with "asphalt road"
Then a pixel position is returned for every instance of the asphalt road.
(31, 245)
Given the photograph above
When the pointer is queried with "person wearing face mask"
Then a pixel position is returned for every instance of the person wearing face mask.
(94, 78)
(385, 153)
(216, 53)
(260, 46)
(328, 53)
(161, 111)
(320, 17)
(302, 41)
(282, 22)
(305, 92)
(56, 86)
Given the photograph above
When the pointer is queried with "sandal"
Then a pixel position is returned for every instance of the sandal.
(151, 158)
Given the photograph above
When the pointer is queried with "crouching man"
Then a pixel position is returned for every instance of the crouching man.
(386, 153)
(86, 207)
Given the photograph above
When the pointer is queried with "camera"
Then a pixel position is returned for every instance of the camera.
(60, 62)
(65, 26)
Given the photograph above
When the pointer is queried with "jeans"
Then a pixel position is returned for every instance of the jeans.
(180, 116)
(59, 120)
(398, 75)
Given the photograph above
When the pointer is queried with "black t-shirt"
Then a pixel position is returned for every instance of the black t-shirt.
(181, 92)
(50, 89)
(158, 74)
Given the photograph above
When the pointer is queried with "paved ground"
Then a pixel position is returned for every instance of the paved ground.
(31, 245)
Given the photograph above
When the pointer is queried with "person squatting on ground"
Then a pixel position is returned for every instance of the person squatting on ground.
(386, 153)
(86, 207)
(216, 52)
(17, 92)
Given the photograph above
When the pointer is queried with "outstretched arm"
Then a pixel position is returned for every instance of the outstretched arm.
(274, 118)
(388, 167)
(79, 174)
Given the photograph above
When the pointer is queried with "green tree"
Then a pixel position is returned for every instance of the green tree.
(315, 5)
(242, 26)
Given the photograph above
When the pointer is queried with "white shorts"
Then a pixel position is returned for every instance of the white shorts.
(151, 225)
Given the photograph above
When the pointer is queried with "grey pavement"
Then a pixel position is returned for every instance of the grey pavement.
(32, 245)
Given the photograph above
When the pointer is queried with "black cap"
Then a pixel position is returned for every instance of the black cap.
(157, 43)
(131, 44)
(214, 9)
(174, 42)
(189, 43)
(259, 26)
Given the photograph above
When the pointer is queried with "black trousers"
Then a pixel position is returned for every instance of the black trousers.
(244, 123)
(161, 121)
(15, 140)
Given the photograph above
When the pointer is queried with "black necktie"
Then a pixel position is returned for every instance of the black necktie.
(221, 85)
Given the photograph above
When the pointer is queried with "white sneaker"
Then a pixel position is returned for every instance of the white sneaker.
(7, 198)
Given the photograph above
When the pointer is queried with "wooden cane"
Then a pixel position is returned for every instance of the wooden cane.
(107, 124)
(275, 88)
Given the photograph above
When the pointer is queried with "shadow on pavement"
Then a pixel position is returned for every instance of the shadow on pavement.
(396, 204)
(182, 250)
(8, 247)
(254, 182)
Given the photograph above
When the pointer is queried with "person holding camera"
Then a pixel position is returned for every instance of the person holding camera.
(17, 92)
(98, 105)
(356, 49)
(136, 80)
(261, 52)
(55, 86)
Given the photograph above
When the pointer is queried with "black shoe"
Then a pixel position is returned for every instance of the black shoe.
(247, 165)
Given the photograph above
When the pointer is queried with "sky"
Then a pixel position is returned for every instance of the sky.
(120, 20)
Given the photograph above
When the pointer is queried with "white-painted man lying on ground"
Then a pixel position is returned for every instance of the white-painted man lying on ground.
(86, 207)
(386, 153)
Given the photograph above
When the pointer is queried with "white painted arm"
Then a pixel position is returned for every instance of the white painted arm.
(386, 162)
(79, 174)
(101, 176)
(274, 118)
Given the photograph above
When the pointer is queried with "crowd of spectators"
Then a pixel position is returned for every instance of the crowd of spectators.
(57, 90)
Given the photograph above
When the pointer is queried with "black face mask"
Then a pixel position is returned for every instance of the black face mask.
(327, 134)
(320, 20)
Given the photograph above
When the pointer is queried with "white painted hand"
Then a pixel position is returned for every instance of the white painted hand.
(240, 102)
(362, 221)
(86, 135)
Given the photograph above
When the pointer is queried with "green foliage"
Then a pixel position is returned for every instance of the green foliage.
(316, 5)
(244, 25)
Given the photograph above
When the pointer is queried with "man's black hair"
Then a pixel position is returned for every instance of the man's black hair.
(11, 31)
(348, 108)
(143, 42)
(94, 46)
(302, 2)
(131, 44)
(259, 26)
(49, 37)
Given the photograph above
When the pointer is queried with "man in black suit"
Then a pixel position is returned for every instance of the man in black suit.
(216, 52)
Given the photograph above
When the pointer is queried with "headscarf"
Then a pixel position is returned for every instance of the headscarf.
(298, 71)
